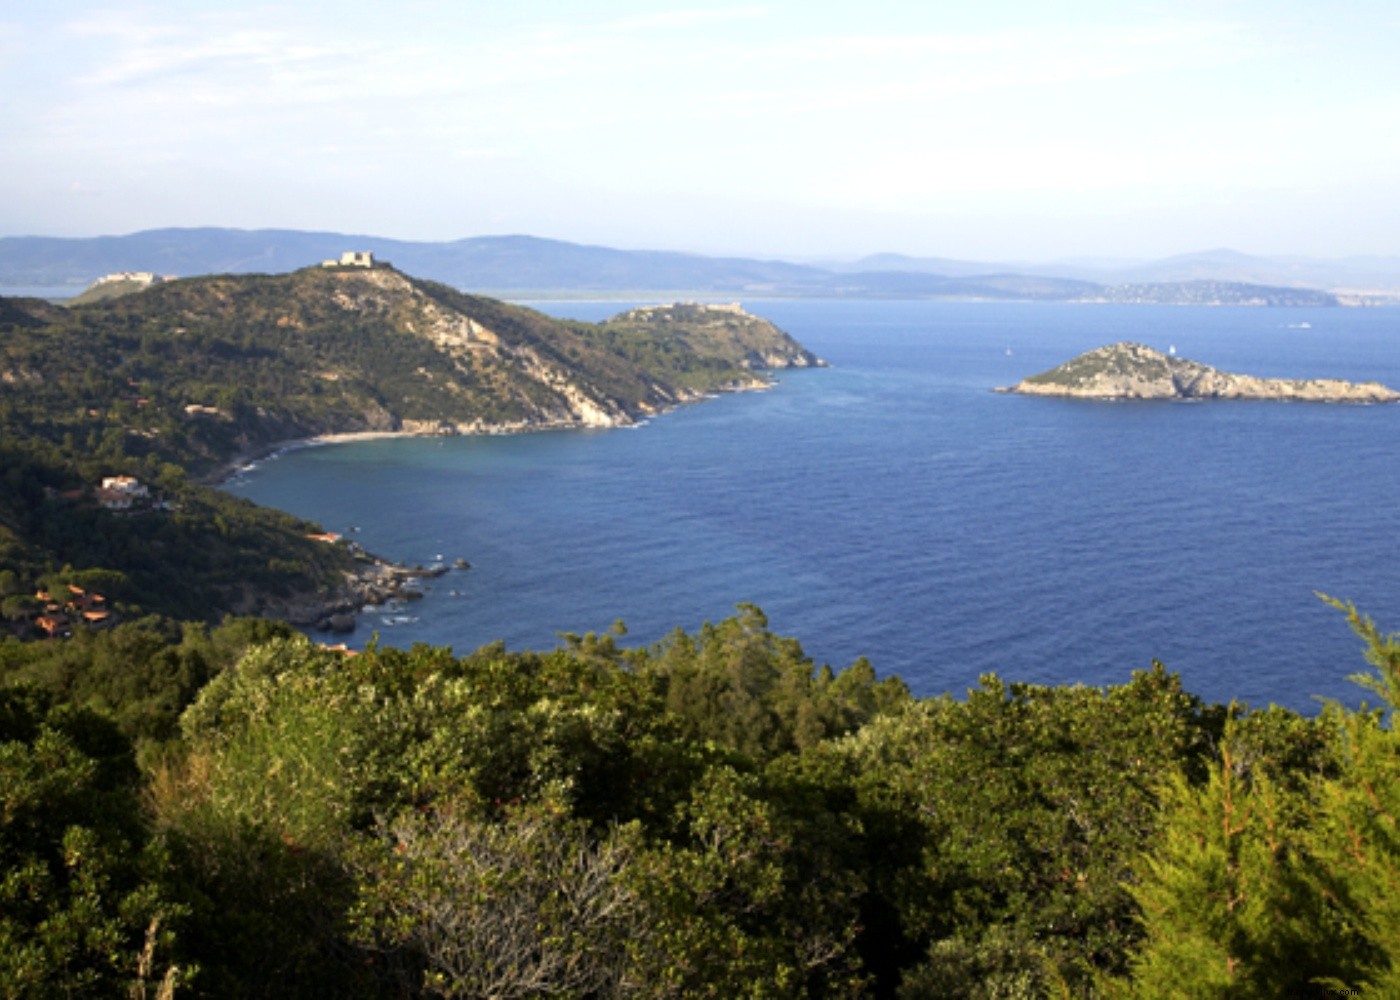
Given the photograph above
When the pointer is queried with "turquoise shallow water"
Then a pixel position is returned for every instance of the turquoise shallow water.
(892, 506)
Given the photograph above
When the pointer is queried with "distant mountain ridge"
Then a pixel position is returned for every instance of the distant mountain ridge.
(1351, 274)
(522, 266)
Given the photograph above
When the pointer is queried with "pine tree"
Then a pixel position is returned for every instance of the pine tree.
(1356, 839)
(1227, 907)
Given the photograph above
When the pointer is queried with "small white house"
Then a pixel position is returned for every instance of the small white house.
(120, 492)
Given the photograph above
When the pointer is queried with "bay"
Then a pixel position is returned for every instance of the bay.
(893, 507)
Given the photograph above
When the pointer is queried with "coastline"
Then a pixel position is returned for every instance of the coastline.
(378, 580)
(229, 468)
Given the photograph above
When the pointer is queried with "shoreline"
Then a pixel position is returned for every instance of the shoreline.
(379, 580)
(229, 468)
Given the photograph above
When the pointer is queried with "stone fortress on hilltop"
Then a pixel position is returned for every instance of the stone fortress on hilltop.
(355, 258)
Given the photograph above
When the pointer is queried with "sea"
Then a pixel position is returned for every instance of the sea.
(892, 506)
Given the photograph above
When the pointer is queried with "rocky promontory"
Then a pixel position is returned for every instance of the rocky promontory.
(1134, 371)
(721, 332)
(375, 582)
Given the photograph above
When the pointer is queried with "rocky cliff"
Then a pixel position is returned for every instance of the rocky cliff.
(1133, 371)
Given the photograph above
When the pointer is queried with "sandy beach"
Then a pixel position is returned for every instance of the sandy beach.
(230, 468)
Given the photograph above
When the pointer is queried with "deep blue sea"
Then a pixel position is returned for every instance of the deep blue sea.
(893, 506)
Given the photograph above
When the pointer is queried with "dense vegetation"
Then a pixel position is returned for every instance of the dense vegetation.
(239, 813)
(194, 552)
(192, 372)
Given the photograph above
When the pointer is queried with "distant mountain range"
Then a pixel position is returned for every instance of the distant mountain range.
(521, 266)
(1345, 275)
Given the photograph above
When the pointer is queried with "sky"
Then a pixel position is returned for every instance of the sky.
(1002, 130)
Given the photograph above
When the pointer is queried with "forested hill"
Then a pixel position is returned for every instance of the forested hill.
(181, 378)
(196, 371)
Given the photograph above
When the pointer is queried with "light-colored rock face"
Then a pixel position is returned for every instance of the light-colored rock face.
(1133, 371)
(460, 335)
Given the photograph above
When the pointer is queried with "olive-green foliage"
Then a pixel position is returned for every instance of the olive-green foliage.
(315, 750)
(751, 893)
(266, 915)
(712, 816)
(740, 686)
(200, 558)
(1022, 807)
(995, 965)
(254, 806)
(1276, 876)
(82, 910)
(142, 674)
(297, 756)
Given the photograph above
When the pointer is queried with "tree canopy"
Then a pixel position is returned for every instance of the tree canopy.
(238, 812)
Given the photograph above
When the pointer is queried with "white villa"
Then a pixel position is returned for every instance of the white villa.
(120, 492)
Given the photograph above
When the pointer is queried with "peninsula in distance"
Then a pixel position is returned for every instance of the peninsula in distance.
(1134, 371)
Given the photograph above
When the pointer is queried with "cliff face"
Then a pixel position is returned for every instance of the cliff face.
(1133, 371)
(536, 373)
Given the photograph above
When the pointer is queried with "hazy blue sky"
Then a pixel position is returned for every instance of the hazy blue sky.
(1001, 129)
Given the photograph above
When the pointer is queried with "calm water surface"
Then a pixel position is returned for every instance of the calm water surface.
(892, 506)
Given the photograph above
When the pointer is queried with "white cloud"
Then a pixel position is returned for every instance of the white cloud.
(694, 109)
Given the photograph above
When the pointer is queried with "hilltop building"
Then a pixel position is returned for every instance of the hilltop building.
(144, 278)
(351, 258)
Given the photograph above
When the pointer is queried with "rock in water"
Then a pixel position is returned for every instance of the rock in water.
(1133, 371)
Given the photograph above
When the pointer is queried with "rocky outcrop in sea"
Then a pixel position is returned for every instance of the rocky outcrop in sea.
(1134, 371)
(376, 583)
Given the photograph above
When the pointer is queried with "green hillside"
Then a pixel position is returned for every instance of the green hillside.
(171, 383)
(196, 371)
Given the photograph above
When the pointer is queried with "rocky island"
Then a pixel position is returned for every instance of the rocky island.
(1134, 371)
